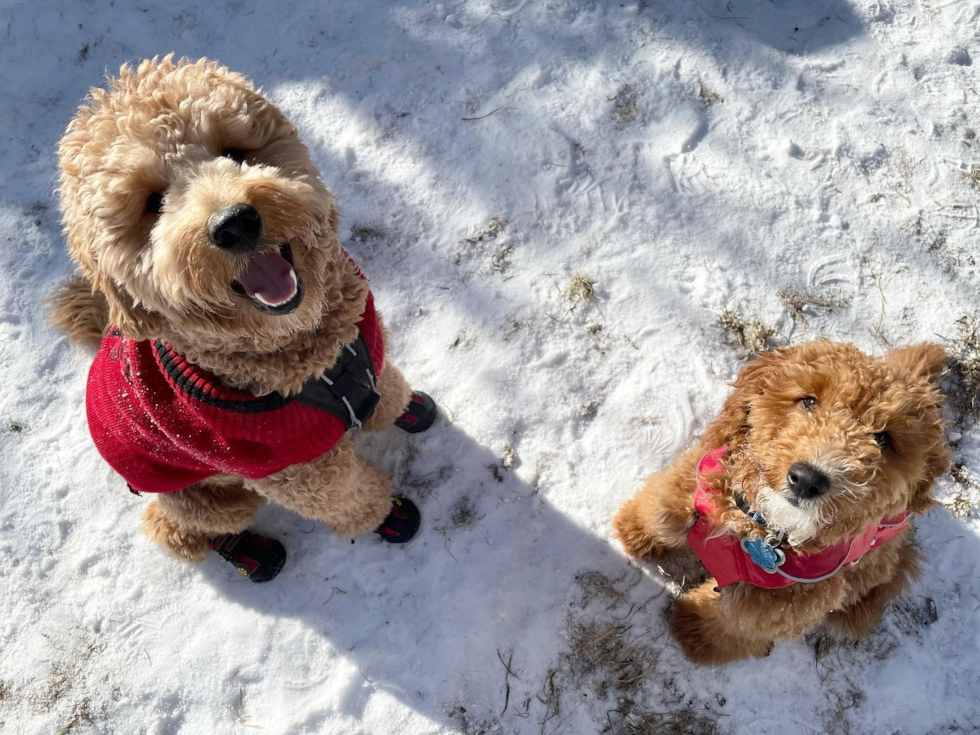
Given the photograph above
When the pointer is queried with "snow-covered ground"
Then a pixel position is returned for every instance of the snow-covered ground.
(556, 202)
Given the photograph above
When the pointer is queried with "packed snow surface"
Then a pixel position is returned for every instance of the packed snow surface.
(567, 210)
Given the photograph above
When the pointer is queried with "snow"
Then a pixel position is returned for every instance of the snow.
(834, 158)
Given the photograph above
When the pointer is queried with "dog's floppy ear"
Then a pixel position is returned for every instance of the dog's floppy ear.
(749, 384)
(937, 465)
(133, 320)
(924, 361)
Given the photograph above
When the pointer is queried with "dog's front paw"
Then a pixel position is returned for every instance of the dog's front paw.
(631, 532)
(705, 636)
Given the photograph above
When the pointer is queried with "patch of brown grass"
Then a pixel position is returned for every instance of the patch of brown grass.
(960, 504)
(463, 513)
(974, 176)
(707, 95)
(363, 233)
(624, 105)
(674, 722)
(422, 484)
(493, 228)
(81, 713)
(594, 585)
(608, 655)
(470, 724)
(749, 336)
(963, 377)
(68, 672)
(580, 290)
(802, 303)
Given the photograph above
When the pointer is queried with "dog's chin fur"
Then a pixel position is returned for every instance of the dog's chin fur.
(801, 522)
(164, 128)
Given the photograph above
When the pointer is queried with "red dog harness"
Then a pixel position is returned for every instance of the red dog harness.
(165, 424)
(729, 561)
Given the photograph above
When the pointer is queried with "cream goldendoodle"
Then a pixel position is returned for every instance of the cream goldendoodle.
(237, 341)
(799, 497)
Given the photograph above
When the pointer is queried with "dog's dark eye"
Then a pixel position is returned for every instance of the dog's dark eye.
(235, 154)
(808, 402)
(154, 203)
(883, 439)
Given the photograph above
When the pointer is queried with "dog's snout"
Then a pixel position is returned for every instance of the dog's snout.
(806, 481)
(236, 228)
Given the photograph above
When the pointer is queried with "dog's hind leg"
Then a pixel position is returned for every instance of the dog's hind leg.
(861, 617)
(347, 493)
(394, 389)
(411, 411)
(80, 311)
(395, 395)
(185, 521)
(660, 515)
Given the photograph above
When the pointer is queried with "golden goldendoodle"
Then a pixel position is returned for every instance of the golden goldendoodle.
(798, 497)
(238, 343)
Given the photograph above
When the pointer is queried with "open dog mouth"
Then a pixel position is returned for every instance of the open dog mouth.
(271, 282)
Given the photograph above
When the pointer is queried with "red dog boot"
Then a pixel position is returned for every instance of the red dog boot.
(257, 558)
(402, 522)
(420, 415)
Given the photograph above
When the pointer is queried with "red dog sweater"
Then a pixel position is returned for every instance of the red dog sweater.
(165, 424)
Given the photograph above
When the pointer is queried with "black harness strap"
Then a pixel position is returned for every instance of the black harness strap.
(348, 390)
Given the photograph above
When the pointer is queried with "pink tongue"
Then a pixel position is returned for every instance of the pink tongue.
(268, 276)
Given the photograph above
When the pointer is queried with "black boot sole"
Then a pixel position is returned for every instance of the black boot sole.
(423, 409)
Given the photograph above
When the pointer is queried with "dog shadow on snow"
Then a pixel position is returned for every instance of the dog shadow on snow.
(491, 575)
(499, 578)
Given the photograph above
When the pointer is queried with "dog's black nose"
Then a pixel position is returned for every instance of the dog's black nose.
(806, 481)
(235, 228)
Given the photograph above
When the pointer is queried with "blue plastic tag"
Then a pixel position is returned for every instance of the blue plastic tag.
(763, 554)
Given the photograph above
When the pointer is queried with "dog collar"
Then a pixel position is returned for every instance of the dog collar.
(762, 562)
(755, 515)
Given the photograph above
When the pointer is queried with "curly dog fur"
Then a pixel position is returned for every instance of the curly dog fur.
(162, 130)
(854, 402)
